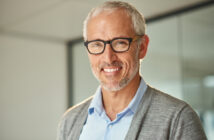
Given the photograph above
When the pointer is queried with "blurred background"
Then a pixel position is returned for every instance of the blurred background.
(44, 67)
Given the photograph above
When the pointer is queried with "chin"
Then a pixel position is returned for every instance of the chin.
(112, 88)
(117, 86)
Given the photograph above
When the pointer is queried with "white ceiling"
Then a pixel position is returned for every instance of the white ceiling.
(61, 20)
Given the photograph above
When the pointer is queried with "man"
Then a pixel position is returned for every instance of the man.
(124, 107)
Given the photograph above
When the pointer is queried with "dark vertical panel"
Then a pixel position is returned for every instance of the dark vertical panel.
(70, 52)
(70, 75)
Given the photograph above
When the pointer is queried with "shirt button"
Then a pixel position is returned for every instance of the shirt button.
(110, 126)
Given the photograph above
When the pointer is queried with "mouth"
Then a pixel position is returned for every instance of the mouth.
(110, 69)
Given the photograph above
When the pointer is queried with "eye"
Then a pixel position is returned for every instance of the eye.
(95, 44)
(120, 43)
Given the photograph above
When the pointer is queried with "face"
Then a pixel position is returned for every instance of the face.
(114, 70)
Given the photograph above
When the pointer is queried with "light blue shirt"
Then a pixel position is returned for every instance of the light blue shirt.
(98, 126)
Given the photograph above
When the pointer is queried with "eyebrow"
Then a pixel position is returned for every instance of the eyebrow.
(110, 39)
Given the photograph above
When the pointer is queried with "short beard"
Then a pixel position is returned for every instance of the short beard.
(125, 81)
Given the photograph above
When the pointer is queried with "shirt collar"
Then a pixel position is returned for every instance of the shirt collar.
(97, 105)
(133, 105)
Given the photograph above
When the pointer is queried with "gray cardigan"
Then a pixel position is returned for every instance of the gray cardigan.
(159, 117)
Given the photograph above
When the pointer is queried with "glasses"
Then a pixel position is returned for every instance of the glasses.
(118, 45)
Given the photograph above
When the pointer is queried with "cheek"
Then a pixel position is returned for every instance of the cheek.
(129, 64)
(132, 63)
(94, 63)
(92, 60)
(132, 58)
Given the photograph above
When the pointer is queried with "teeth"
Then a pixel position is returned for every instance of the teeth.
(111, 70)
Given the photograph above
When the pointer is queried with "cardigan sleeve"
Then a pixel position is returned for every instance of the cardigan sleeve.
(188, 126)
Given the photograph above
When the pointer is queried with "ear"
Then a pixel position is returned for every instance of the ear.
(143, 46)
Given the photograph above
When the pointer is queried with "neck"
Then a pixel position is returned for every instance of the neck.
(116, 101)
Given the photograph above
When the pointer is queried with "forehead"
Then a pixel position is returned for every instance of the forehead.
(110, 24)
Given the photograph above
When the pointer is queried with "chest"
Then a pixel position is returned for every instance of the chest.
(100, 127)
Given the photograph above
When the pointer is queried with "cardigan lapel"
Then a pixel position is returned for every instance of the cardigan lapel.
(139, 116)
(136, 123)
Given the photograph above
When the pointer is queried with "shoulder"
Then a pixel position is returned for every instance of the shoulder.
(181, 119)
(77, 109)
(74, 117)
(170, 107)
(162, 100)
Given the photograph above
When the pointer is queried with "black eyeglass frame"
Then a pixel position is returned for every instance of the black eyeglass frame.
(110, 42)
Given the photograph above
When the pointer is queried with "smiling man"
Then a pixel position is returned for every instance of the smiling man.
(124, 106)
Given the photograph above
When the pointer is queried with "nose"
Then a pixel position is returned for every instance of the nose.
(109, 55)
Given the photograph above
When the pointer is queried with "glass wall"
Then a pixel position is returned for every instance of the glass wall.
(197, 30)
(179, 62)
(161, 67)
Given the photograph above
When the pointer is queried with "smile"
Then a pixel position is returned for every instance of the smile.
(111, 70)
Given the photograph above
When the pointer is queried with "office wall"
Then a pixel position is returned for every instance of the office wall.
(33, 88)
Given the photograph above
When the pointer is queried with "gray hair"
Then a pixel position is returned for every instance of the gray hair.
(138, 20)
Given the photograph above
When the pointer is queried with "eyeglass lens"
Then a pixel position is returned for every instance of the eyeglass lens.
(118, 45)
